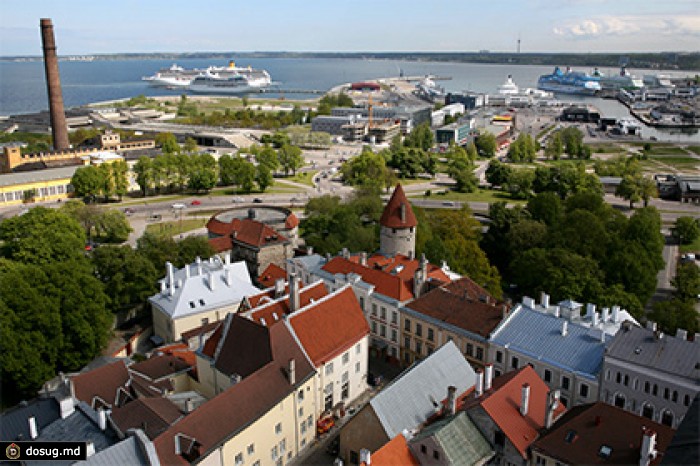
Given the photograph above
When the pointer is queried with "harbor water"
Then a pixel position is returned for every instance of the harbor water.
(23, 88)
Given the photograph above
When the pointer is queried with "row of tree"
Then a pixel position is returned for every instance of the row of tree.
(106, 180)
(567, 141)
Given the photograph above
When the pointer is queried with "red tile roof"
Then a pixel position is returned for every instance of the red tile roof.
(272, 311)
(272, 273)
(330, 326)
(195, 332)
(246, 231)
(235, 408)
(598, 424)
(391, 276)
(394, 453)
(463, 304)
(157, 367)
(182, 351)
(213, 341)
(154, 415)
(502, 404)
(391, 217)
(291, 221)
(103, 382)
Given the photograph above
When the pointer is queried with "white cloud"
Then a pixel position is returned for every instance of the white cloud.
(590, 28)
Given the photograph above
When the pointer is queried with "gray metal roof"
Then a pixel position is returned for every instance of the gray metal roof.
(126, 452)
(12, 179)
(416, 394)
(460, 439)
(538, 336)
(640, 346)
(194, 293)
(312, 263)
(14, 423)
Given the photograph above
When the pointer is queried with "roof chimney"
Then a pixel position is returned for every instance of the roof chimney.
(292, 372)
(294, 301)
(488, 377)
(479, 383)
(648, 452)
(552, 404)
(210, 281)
(345, 253)
(451, 400)
(606, 315)
(365, 457)
(651, 325)
(189, 405)
(682, 334)
(504, 311)
(616, 314)
(309, 250)
(544, 300)
(557, 311)
(170, 275)
(89, 449)
(524, 399)
(33, 431)
(199, 265)
(363, 258)
(66, 406)
(102, 419)
(564, 328)
(590, 310)
(602, 335)
(279, 287)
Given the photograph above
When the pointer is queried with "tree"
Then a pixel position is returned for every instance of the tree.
(545, 207)
(245, 176)
(167, 142)
(128, 276)
(687, 282)
(120, 175)
(572, 138)
(191, 146)
(647, 189)
(268, 157)
(106, 181)
(87, 182)
(263, 177)
(28, 195)
(41, 236)
(143, 169)
(486, 145)
(192, 247)
(462, 171)
(674, 314)
(112, 226)
(555, 147)
(421, 137)
(227, 169)
(203, 173)
(290, 158)
(367, 169)
(686, 229)
(519, 183)
(497, 173)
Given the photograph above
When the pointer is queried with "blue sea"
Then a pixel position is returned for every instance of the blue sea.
(23, 87)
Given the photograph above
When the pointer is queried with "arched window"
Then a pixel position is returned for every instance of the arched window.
(648, 411)
(667, 418)
(674, 398)
(620, 400)
(647, 387)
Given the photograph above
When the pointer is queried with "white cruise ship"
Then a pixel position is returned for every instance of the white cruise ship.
(175, 76)
(230, 80)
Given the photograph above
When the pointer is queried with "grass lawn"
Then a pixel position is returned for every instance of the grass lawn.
(303, 177)
(607, 148)
(665, 150)
(409, 181)
(175, 227)
(682, 163)
(694, 149)
(481, 195)
(692, 247)
(153, 199)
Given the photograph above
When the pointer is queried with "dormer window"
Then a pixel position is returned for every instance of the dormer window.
(192, 305)
(201, 302)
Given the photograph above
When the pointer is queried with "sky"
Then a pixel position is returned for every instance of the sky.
(127, 26)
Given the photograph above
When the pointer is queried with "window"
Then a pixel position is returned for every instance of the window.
(547, 375)
(620, 400)
(394, 317)
(499, 356)
(407, 325)
(383, 314)
(278, 428)
(302, 427)
(627, 380)
(583, 390)
(470, 349)
(274, 454)
(239, 459)
(205, 321)
(570, 436)
(257, 463)
(667, 393)
(309, 422)
(647, 387)
(429, 349)
(431, 337)
(357, 349)
(514, 362)
(686, 400)
(565, 382)
(251, 449)
(382, 330)
(374, 309)
(436, 454)
(345, 391)
(407, 342)
(329, 368)
(605, 451)
(328, 401)
(655, 390)
(419, 330)
(419, 347)
(648, 411)
(357, 367)
(539, 461)
(667, 418)
(394, 335)
(346, 357)
(423, 449)
(354, 457)
(301, 411)
(674, 398)
(374, 327)
(283, 446)
(499, 439)
(480, 353)
(362, 303)
(618, 378)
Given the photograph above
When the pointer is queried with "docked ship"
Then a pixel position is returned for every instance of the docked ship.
(230, 80)
(622, 80)
(508, 87)
(175, 76)
(569, 82)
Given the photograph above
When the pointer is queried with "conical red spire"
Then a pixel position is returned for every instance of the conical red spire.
(398, 212)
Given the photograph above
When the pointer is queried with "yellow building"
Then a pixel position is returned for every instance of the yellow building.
(40, 185)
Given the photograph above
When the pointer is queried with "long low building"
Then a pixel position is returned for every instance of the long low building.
(40, 185)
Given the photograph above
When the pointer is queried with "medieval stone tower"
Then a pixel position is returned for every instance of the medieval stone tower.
(398, 226)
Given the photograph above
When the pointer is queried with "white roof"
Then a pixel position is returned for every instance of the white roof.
(414, 396)
(203, 286)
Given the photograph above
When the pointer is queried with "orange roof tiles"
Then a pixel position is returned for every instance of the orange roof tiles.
(502, 403)
(330, 326)
(273, 310)
(103, 382)
(246, 231)
(393, 453)
(271, 274)
(392, 277)
(291, 221)
(392, 218)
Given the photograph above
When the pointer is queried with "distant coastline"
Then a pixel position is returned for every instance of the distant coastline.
(681, 61)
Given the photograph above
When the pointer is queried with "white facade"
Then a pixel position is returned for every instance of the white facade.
(344, 378)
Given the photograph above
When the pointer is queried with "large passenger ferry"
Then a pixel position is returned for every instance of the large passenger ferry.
(215, 79)
(569, 82)
(175, 76)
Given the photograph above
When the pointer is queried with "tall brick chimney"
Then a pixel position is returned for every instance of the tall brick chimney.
(59, 128)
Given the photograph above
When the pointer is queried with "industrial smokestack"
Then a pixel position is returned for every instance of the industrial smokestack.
(59, 128)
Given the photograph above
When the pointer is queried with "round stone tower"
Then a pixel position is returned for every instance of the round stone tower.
(398, 226)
